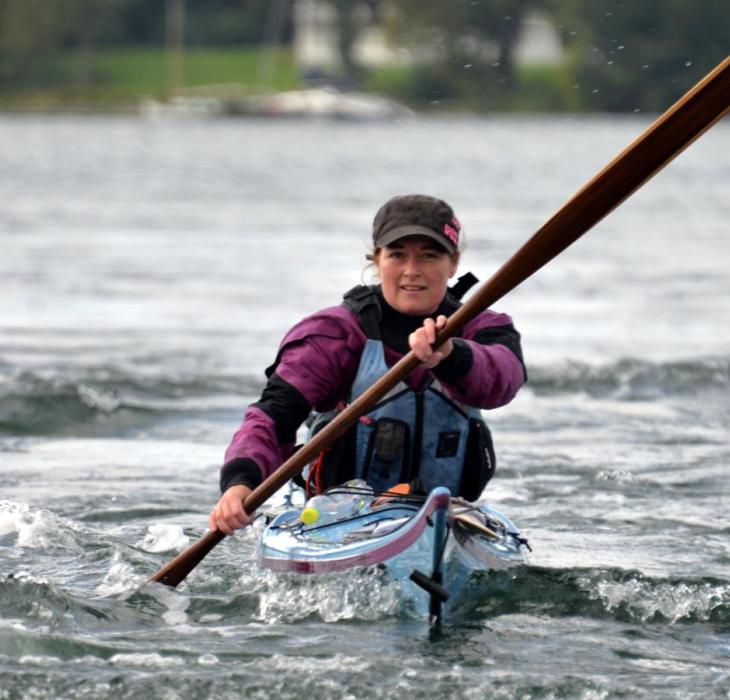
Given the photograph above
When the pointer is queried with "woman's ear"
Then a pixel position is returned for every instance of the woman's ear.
(454, 263)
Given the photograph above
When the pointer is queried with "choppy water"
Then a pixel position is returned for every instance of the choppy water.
(147, 272)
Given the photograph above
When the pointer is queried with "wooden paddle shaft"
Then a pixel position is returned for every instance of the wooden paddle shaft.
(668, 136)
(706, 103)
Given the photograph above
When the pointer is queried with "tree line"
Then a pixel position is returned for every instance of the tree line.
(620, 55)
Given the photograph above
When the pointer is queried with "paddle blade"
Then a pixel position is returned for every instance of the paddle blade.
(177, 570)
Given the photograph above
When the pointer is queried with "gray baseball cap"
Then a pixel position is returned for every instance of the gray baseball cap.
(416, 215)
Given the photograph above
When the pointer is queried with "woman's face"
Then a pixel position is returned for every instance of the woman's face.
(414, 272)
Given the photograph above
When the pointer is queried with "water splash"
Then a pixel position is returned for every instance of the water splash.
(120, 580)
(147, 660)
(164, 538)
(628, 596)
(644, 599)
(367, 594)
(37, 528)
(175, 603)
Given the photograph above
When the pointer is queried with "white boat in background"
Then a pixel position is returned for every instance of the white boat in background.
(311, 103)
(322, 102)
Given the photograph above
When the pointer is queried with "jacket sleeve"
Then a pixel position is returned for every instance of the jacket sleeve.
(486, 368)
(314, 368)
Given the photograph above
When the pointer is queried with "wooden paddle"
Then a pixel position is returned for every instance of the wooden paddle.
(705, 104)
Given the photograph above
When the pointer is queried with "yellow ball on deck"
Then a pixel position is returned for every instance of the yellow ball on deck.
(309, 516)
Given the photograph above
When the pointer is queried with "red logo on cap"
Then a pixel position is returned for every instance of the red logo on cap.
(451, 233)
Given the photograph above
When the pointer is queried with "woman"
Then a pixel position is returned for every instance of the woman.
(428, 429)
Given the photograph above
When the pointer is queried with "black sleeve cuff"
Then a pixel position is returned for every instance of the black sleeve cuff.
(240, 470)
(456, 365)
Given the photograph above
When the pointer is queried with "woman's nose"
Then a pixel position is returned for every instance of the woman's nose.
(411, 266)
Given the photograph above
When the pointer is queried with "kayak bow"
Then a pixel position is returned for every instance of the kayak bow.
(449, 538)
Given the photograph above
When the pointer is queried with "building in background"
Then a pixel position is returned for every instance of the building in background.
(318, 45)
(538, 42)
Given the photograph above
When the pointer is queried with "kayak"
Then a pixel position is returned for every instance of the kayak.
(430, 544)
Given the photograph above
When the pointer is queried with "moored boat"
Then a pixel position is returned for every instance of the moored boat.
(430, 544)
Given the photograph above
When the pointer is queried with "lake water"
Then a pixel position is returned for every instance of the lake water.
(147, 273)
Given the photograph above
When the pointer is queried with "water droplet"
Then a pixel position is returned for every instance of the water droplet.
(646, 65)
(595, 91)
(496, 64)
(609, 63)
(637, 110)
(688, 63)
(621, 48)
(467, 65)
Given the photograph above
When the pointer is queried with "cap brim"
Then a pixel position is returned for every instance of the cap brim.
(413, 230)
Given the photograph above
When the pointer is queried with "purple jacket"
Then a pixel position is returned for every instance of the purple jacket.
(319, 358)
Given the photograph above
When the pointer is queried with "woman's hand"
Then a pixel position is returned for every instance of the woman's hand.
(228, 514)
(421, 340)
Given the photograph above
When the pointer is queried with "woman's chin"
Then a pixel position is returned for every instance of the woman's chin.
(415, 307)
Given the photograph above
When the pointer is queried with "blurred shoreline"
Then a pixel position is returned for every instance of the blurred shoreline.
(123, 80)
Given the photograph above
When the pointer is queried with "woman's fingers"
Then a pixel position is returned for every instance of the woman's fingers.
(421, 342)
(229, 514)
(228, 522)
(427, 331)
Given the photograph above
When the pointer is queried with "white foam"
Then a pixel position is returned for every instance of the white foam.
(318, 665)
(211, 617)
(208, 660)
(175, 602)
(36, 528)
(105, 401)
(31, 660)
(147, 660)
(164, 538)
(13, 624)
(673, 601)
(11, 514)
(120, 580)
(354, 596)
